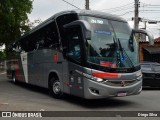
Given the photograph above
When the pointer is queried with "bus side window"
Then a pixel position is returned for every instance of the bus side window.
(51, 36)
(74, 39)
(61, 21)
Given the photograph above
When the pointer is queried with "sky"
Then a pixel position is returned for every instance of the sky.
(149, 10)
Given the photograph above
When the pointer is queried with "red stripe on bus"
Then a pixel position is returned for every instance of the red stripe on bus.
(17, 72)
(55, 57)
(106, 75)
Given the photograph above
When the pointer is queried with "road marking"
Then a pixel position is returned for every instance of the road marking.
(118, 115)
(2, 73)
(42, 109)
(5, 103)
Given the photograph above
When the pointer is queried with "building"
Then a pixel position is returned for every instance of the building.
(149, 52)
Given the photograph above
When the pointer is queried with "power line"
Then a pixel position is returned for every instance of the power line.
(149, 10)
(125, 13)
(150, 29)
(145, 4)
(150, 7)
(72, 1)
(116, 7)
(71, 4)
(121, 9)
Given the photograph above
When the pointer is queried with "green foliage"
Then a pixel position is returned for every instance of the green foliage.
(2, 55)
(13, 19)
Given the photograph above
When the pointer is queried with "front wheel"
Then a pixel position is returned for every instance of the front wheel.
(55, 88)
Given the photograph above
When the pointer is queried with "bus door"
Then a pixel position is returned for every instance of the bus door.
(74, 57)
(30, 67)
(24, 67)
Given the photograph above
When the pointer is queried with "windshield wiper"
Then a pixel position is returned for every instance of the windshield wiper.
(123, 53)
(130, 43)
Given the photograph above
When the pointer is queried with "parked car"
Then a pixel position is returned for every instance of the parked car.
(151, 74)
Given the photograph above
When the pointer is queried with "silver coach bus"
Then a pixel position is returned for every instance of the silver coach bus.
(85, 53)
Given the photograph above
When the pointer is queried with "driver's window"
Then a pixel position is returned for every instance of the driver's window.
(74, 43)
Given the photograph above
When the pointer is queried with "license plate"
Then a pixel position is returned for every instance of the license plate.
(121, 94)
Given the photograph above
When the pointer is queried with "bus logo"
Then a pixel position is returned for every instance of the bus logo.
(123, 83)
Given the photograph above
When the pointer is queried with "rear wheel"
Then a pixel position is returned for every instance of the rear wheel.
(55, 88)
(14, 77)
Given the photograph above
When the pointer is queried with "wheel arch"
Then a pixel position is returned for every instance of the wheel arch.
(51, 75)
(55, 76)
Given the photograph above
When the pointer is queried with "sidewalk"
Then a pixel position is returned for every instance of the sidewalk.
(3, 75)
(2, 71)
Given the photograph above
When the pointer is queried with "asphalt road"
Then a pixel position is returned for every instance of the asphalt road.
(22, 97)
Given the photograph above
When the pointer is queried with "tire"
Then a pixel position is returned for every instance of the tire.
(14, 78)
(55, 88)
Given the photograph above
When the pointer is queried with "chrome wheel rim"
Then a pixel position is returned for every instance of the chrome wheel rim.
(14, 78)
(56, 87)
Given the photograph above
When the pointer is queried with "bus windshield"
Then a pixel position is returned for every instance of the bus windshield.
(112, 44)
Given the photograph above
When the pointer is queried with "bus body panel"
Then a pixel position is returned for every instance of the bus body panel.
(43, 65)
(65, 77)
(76, 82)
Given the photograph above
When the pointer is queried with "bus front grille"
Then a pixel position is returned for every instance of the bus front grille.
(120, 83)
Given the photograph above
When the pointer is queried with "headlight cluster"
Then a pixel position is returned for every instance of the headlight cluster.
(96, 79)
(139, 77)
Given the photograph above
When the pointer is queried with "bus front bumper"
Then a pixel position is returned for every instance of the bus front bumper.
(95, 90)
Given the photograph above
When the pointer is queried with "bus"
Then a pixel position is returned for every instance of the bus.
(11, 66)
(84, 53)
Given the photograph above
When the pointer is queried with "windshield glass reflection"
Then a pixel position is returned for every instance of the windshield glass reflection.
(112, 44)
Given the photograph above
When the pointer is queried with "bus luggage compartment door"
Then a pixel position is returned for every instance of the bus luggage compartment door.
(75, 80)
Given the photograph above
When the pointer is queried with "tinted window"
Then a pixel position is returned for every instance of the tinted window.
(46, 37)
(61, 21)
(74, 44)
(49, 36)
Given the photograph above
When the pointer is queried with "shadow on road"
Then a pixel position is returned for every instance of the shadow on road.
(32, 88)
(151, 88)
(97, 103)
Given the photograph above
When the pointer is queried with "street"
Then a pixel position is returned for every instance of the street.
(22, 97)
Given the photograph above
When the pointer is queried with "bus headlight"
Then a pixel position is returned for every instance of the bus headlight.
(97, 79)
(139, 77)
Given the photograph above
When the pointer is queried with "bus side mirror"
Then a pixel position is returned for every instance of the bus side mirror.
(145, 32)
(88, 35)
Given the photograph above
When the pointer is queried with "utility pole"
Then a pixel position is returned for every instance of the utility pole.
(87, 5)
(136, 15)
(145, 25)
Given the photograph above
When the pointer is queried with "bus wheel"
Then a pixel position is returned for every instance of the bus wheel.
(55, 88)
(14, 78)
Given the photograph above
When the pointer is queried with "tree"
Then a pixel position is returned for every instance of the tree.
(13, 19)
(2, 55)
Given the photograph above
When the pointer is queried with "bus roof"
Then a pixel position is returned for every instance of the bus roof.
(79, 12)
(92, 13)
(85, 13)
